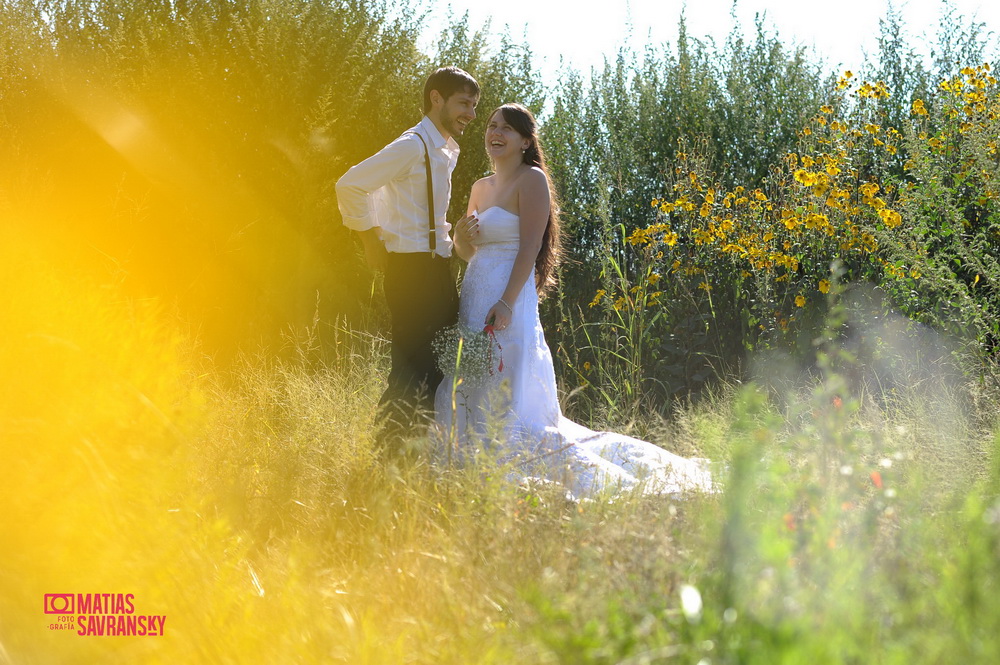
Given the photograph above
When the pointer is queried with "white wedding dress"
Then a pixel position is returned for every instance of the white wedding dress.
(515, 412)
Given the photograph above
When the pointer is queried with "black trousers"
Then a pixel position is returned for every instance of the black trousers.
(422, 299)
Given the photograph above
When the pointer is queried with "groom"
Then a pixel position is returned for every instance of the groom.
(397, 200)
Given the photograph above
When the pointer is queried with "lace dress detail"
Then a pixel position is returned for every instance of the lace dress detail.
(518, 410)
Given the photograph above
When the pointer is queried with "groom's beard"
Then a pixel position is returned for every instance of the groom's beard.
(453, 126)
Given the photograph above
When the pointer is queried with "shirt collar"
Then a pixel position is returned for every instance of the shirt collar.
(437, 140)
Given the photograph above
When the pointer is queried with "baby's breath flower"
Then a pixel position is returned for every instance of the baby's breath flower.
(477, 348)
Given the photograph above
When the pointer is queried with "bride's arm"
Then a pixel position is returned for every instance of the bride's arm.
(533, 209)
(467, 228)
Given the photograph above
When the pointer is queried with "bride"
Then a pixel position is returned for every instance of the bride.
(510, 239)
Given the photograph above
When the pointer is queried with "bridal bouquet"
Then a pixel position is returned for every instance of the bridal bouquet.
(467, 352)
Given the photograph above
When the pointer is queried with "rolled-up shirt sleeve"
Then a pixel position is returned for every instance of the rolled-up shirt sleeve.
(354, 189)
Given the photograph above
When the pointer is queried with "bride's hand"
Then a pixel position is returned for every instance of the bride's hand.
(468, 227)
(499, 316)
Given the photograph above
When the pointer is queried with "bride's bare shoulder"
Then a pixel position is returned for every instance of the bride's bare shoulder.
(533, 179)
(483, 183)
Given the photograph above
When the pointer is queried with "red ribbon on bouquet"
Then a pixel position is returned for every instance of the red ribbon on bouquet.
(491, 331)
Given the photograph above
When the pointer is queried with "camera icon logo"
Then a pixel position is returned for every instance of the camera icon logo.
(60, 603)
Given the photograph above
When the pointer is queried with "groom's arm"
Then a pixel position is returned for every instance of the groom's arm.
(355, 187)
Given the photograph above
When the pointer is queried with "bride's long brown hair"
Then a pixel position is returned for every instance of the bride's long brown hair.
(523, 122)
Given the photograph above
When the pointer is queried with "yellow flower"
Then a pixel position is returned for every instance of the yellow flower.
(918, 107)
(824, 286)
(890, 218)
(597, 298)
(869, 189)
(586, 366)
(653, 278)
(800, 301)
(805, 178)
(706, 286)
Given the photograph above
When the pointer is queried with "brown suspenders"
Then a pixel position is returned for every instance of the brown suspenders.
(432, 237)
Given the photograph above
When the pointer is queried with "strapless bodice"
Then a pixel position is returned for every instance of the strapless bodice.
(498, 226)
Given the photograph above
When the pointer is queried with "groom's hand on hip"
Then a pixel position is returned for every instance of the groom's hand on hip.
(375, 252)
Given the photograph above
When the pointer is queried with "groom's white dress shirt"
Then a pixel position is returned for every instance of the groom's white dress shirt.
(389, 191)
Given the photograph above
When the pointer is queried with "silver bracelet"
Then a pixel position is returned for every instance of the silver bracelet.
(506, 305)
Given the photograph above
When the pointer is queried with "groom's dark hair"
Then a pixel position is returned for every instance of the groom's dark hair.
(447, 81)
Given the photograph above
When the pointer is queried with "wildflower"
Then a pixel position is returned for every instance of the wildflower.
(598, 297)
(805, 178)
(705, 286)
(586, 366)
(800, 301)
(890, 218)
(824, 286)
(869, 189)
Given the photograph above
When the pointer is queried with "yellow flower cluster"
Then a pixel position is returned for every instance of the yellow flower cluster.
(877, 90)
(823, 202)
